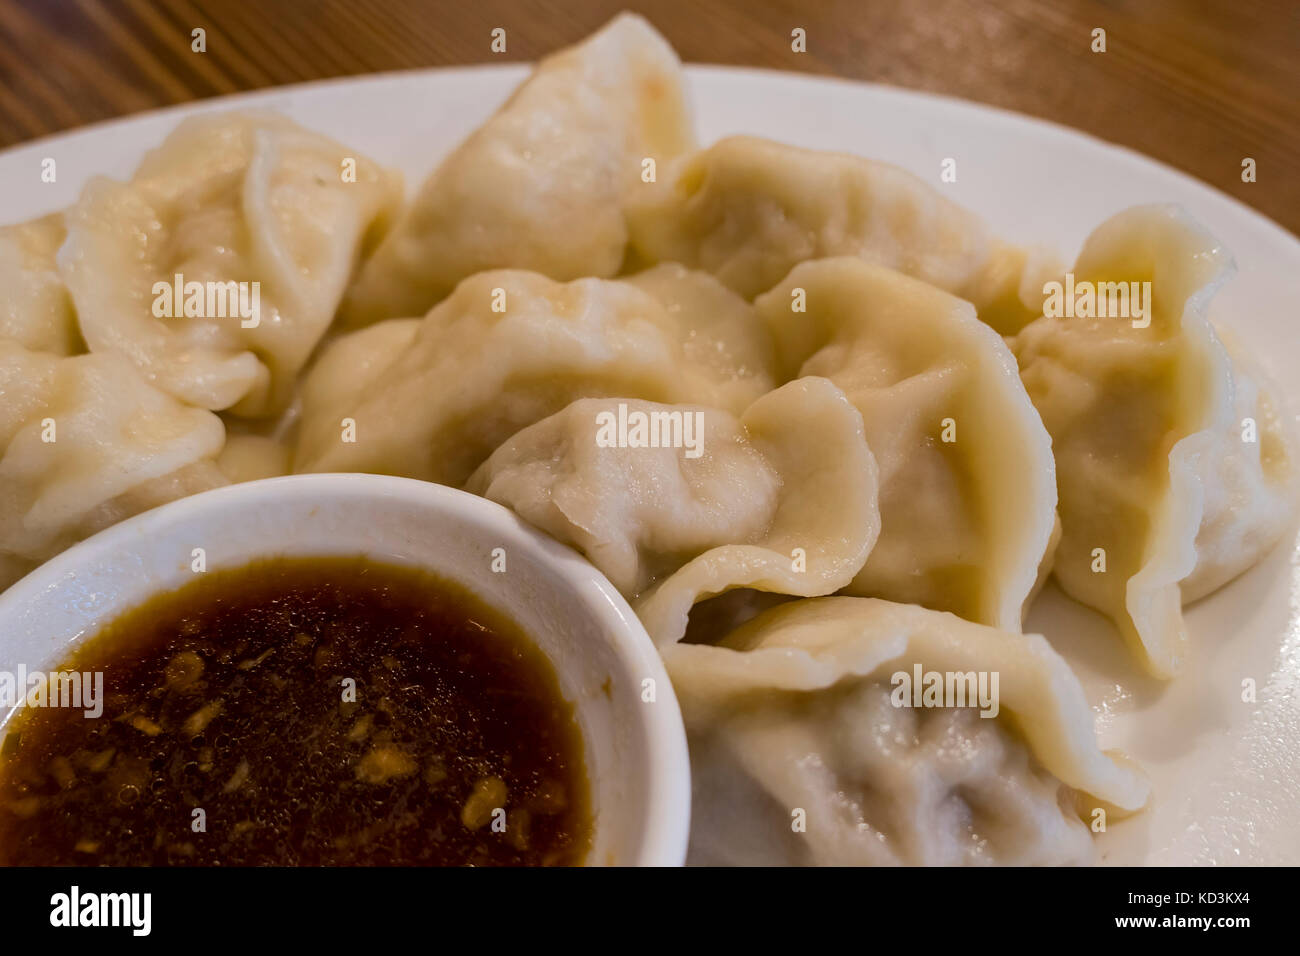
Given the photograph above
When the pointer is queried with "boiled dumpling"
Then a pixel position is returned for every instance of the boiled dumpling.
(722, 332)
(86, 442)
(541, 185)
(781, 499)
(1176, 470)
(35, 308)
(748, 210)
(1008, 289)
(807, 746)
(227, 201)
(250, 457)
(432, 398)
(967, 486)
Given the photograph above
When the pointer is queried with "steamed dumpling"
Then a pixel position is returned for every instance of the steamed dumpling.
(799, 718)
(781, 499)
(1176, 470)
(35, 308)
(967, 483)
(86, 442)
(541, 185)
(748, 210)
(251, 457)
(227, 199)
(432, 398)
(722, 332)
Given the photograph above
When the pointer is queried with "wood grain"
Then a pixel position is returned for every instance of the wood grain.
(1199, 84)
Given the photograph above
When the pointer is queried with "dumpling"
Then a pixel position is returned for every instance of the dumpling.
(967, 481)
(1008, 289)
(432, 398)
(722, 332)
(250, 457)
(541, 185)
(781, 499)
(748, 210)
(265, 218)
(1176, 470)
(35, 308)
(86, 442)
(808, 745)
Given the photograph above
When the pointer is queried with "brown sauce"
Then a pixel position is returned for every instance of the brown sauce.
(228, 696)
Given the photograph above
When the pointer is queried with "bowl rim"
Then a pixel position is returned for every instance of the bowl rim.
(666, 824)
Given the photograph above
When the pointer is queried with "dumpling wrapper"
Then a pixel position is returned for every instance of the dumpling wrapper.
(35, 308)
(1150, 435)
(748, 210)
(432, 398)
(796, 711)
(966, 524)
(227, 198)
(541, 185)
(792, 474)
(251, 457)
(120, 446)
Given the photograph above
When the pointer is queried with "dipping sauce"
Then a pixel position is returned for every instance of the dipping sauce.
(232, 696)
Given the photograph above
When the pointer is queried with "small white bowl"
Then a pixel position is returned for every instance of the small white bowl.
(636, 754)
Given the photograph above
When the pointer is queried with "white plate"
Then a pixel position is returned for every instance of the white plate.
(1224, 771)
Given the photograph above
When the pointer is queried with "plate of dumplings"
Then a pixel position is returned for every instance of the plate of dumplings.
(971, 536)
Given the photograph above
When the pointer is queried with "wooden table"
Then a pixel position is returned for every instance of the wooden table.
(1199, 84)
